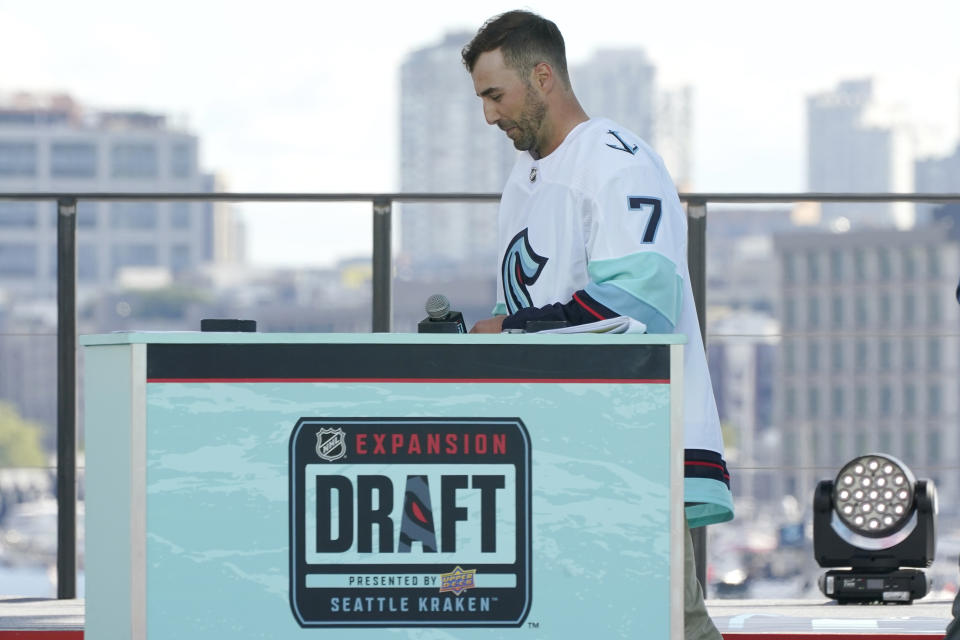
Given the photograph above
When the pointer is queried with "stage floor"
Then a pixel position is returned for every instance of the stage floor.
(736, 619)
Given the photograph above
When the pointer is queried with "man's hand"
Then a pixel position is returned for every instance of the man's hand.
(489, 325)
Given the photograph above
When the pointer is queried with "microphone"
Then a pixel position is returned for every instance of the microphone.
(439, 317)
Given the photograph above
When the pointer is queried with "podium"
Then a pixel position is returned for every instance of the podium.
(351, 486)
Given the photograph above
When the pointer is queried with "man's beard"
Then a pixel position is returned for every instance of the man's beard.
(529, 122)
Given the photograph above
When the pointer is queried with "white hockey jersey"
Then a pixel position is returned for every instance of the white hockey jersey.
(600, 216)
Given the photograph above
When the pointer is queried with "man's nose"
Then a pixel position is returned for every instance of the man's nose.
(490, 112)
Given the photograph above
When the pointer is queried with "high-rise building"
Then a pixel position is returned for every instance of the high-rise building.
(870, 354)
(51, 144)
(853, 146)
(447, 146)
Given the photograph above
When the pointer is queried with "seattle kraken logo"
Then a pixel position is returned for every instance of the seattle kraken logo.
(520, 268)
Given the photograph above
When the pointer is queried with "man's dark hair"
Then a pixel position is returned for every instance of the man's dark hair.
(525, 39)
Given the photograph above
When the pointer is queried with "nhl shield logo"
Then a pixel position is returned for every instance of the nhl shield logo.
(331, 444)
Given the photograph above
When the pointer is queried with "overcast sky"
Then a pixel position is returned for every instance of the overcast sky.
(302, 96)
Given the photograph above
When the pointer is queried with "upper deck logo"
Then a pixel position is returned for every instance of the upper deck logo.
(410, 522)
(331, 444)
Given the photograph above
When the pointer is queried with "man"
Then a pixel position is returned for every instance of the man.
(591, 227)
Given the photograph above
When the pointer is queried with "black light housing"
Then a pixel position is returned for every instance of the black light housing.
(875, 518)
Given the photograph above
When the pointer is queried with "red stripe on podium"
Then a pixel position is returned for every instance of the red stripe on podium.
(46, 634)
(804, 635)
(425, 380)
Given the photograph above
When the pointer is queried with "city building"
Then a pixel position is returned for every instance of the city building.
(50, 143)
(854, 144)
(447, 146)
(870, 356)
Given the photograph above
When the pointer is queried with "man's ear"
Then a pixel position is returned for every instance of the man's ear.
(543, 77)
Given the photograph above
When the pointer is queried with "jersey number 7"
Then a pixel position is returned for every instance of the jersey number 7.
(651, 206)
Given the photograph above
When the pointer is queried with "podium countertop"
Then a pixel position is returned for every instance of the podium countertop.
(212, 337)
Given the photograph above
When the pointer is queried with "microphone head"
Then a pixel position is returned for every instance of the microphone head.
(437, 306)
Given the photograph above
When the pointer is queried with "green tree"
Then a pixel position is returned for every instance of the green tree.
(19, 440)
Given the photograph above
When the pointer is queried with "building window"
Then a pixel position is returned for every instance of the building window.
(836, 356)
(813, 402)
(20, 215)
(886, 401)
(813, 357)
(790, 313)
(790, 403)
(836, 266)
(18, 159)
(133, 255)
(933, 400)
(87, 262)
(863, 407)
(933, 309)
(181, 160)
(179, 215)
(133, 215)
(133, 160)
(933, 355)
(909, 355)
(861, 312)
(18, 260)
(860, 264)
(909, 265)
(813, 312)
(886, 355)
(789, 269)
(886, 311)
(862, 355)
(884, 265)
(933, 263)
(836, 402)
(789, 356)
(909, 400)
(813, 267)
(73, 160)
(933, 446)
(837, 312)
(909, 309)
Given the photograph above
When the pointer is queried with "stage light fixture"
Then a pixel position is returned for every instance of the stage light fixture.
(874, 519)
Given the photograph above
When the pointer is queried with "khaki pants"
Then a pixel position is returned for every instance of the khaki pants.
(697, 624)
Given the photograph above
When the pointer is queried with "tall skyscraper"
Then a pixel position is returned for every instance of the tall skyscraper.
(447, 146)
(852, 146)
(49, 143)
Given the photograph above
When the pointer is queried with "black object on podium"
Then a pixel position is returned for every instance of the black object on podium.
(228, 324)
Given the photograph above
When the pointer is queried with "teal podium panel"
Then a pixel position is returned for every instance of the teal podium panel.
(370, 486)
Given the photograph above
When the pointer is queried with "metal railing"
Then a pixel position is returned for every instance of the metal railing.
(382, 204)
